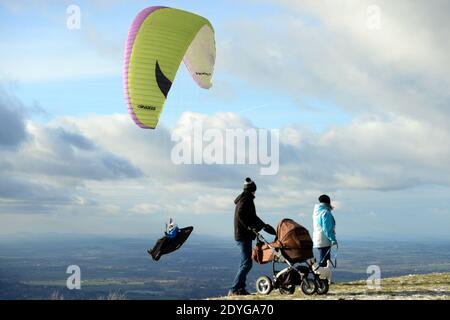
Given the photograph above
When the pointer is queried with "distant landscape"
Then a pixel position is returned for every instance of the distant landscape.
(35, 267)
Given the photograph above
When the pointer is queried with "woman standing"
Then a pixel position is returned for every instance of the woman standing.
(324, 236)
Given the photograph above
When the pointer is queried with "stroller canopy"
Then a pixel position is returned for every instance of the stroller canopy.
(294, 240)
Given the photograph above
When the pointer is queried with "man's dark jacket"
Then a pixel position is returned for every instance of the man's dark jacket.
(245, 217)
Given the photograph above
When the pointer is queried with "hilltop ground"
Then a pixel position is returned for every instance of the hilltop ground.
(412, 287)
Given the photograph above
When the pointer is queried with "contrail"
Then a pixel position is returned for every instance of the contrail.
(253, 108)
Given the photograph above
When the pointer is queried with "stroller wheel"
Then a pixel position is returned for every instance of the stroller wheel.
(289, 289)
(322, 286)
(308, 286)
(264, 285)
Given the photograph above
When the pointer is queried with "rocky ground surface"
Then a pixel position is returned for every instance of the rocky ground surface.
(411, 287)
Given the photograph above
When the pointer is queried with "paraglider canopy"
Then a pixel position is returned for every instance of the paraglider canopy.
(158, 39)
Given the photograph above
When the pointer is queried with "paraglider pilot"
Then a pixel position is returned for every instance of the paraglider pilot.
(173, 239)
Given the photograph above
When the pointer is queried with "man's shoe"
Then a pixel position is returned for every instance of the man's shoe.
(243, 292)
(232, 293)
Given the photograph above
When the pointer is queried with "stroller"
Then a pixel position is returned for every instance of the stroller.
(292, 246)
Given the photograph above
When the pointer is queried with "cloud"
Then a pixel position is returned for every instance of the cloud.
(14, 188)
(12, 121)
(57, 152)
(49, 164)
(371, 153)
(151, 150)
(398, 70)
(52, 173)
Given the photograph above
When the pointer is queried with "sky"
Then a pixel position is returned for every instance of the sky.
(359, 91)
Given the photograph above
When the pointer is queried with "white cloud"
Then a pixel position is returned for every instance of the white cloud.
(398, 70)
(145, 208)
(387, 156)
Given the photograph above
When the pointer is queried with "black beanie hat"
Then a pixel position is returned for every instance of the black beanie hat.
(249, 185)
(325, 199)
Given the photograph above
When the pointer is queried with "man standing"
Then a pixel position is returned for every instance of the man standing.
(245, 219)
(324, 235)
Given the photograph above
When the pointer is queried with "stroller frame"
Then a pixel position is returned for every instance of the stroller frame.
(305, 269)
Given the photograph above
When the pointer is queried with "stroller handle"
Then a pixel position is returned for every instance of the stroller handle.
(275, 250)
(261, 238)
(258, 235)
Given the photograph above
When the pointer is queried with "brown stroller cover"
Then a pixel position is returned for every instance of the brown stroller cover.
(292, 238)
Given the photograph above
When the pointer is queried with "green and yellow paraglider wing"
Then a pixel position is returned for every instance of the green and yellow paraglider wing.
(158, 40)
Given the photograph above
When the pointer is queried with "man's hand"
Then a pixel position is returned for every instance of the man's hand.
(334, 243)
(269, 229)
